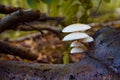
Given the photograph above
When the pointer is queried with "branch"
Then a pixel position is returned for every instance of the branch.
(17, 51)
(39, 27)
(44, 18)
(55, 30)
(8, 9)
(22, 17)
(13, 20)
(96, 11)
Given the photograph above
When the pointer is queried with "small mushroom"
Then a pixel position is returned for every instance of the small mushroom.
(76, 27)
(77, 50)
(88, 39)
(76, 44)
(75, 36)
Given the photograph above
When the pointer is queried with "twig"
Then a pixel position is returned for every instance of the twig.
(51, 29)
(22, 16)
(15, 18)
(17, 51)
(100, 1)
(8, 9)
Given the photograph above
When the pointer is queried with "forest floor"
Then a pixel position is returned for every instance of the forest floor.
(49, 47)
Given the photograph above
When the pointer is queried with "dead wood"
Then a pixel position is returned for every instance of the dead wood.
(8, 9)
(41, 28)
(86, 69)
(21, 20)
(7, 48)
(15, 18)
(107, 48)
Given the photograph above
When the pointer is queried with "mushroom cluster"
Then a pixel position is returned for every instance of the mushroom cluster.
(78, 36)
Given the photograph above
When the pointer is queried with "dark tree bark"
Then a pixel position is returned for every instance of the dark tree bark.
(8, 9)
(107, 48)
(24, 20)
(96, 65)
(15, 18)
(86, 69)
(20, 51)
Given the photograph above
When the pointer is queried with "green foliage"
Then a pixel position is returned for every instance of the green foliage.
(107, 1)
(48, 1)
(72, 10)
(33, 3)
(1, 1)
(86, 4)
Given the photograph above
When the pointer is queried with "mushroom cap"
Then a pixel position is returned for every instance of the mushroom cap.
(77, 50)
(76, 44)
(76, 27)
(88, 39)
(75, 36)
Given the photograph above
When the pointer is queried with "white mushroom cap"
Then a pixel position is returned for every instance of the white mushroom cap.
(88, 39)
(77, 50)
(76, 27)
(76, 44)
(75, 36)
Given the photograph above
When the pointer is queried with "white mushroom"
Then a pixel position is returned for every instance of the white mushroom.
(88, 39)
(77, 50)
(76, 27)
(76, 44)
(75, 36)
